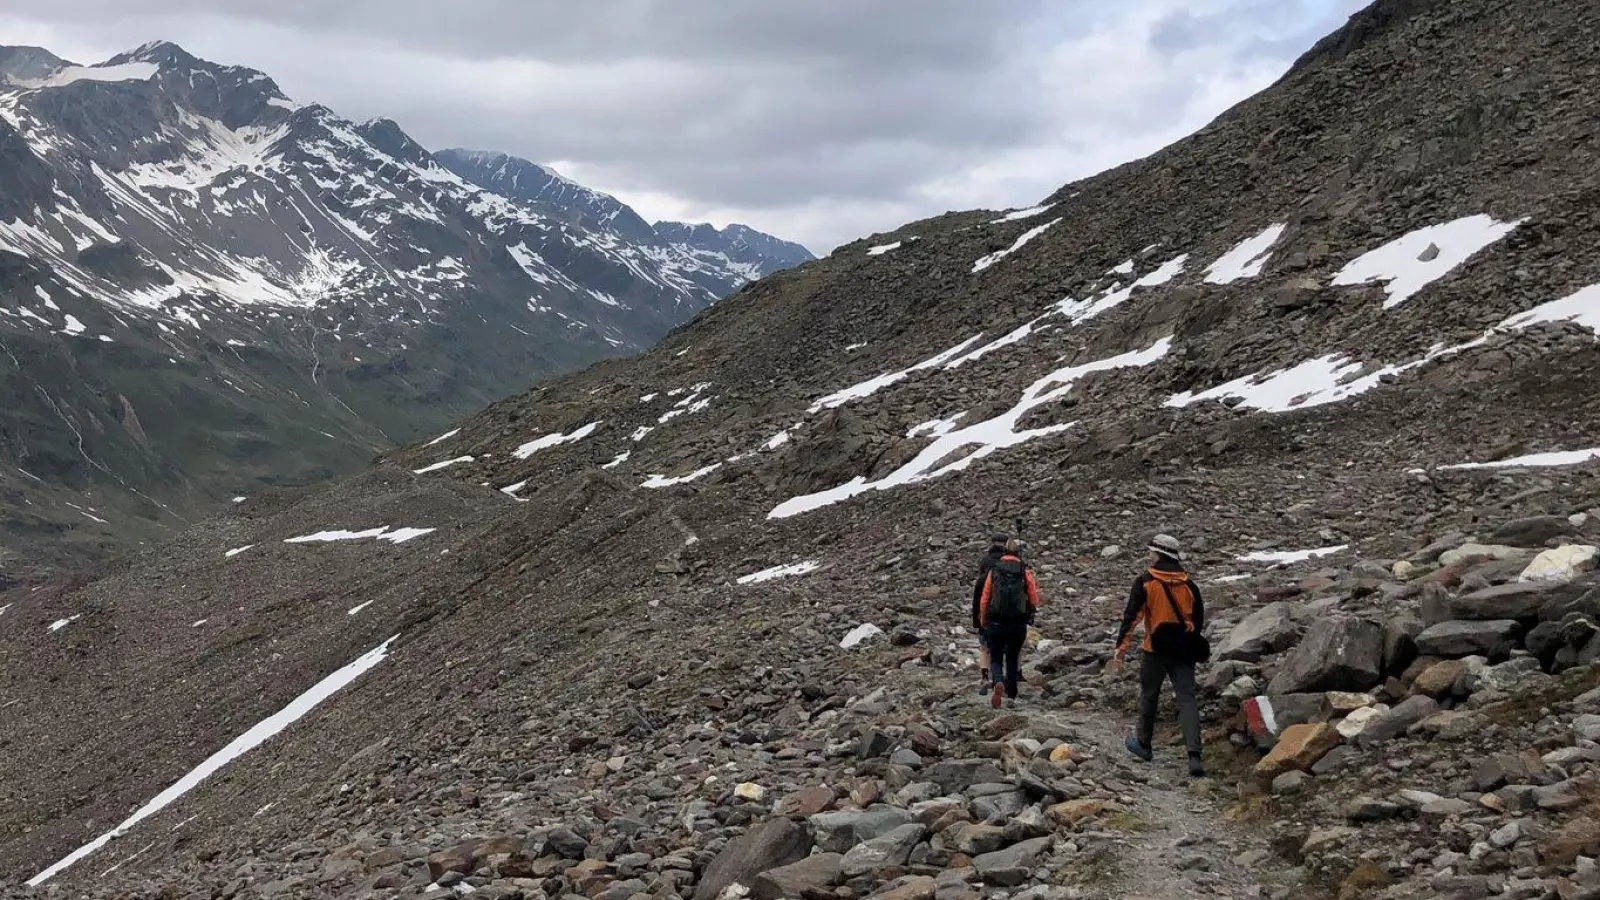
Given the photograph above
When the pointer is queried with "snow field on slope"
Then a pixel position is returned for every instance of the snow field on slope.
(1552, 459)
(1411, 262)
(1020, 242)
(1335, 377)
(980, 439)
(1247, 259)
(257, 735)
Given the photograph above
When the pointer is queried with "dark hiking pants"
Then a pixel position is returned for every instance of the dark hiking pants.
(1005, 653)
(1153, 672)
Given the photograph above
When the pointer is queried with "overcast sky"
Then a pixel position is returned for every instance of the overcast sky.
(818, 120)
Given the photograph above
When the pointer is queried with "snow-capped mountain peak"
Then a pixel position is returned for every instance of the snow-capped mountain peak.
(166, 204)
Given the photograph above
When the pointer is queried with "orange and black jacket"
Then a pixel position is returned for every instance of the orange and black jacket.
(1148, 607)
(988, 589)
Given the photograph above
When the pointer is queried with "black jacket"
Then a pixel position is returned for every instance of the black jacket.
(988, 561)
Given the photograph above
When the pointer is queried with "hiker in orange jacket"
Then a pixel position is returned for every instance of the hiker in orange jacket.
(1164, 595)
(1009, 602)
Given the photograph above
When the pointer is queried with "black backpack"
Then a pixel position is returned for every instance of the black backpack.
(1008, 591)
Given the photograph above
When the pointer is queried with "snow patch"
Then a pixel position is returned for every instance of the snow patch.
(800, 568)
(1286, 557)
(1017, 215)
(553, 440)
(655, 482)
(881, 249)
(444, 437)
(859, 634)
(358, 608)
(237, 550)
(382, 533)
(1246, 260)
(59, 624)
(1412, 262)
(1021, 242)
(443, 465)
(251, 739)
(618, 460)
(945, 455)
(132, 71)
(873, 385)
(1554, 459)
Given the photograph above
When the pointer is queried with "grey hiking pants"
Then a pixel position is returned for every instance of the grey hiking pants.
(1153, 673)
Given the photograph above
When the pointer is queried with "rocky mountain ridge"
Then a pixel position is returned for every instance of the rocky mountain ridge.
(692, 625)
(206, 287)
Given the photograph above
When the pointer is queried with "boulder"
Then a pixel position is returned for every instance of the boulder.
(767, 846)
(1562, 564)
(956, 775)
(1389, 725)
(1467, 552)
(1268, 630)
(1519, 600)
(1298, 749)
(814, 873)
(1534, 531)
(837, 832)
(1014, 865)
(910, 887)
(1352, 725)
(1335, 655)
(1494, 638)
(889, 851)
(1439, 679)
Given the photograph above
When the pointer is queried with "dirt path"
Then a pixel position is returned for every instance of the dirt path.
(1169, 839)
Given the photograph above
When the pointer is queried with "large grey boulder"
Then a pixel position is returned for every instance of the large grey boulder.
(837, 832)
(890, 850)
(1494, 639)
(1270, 629)
(1335, 655)
(1388, 725)
(814, 873)
(773, 843)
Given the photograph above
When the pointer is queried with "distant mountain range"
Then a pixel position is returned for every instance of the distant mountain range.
(206, 286)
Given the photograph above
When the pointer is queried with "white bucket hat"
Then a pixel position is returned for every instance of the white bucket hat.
(1167, 545)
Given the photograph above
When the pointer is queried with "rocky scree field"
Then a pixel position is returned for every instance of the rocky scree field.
(692, 625)
(207, 288)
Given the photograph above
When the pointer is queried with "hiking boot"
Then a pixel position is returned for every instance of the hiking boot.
(1197, 769)
(1011, 703)
(985, 686)
(1140, 750)
(997, 696)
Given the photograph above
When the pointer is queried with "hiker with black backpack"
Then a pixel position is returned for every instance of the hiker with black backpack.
(1009, 602)
(997, 549)
(1166, 601)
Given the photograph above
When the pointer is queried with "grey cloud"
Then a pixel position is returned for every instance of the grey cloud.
(772, 111)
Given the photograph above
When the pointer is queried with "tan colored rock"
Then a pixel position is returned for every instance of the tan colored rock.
(1299, 747)
(1438, 679)
(1064, 753)
(1074, 811)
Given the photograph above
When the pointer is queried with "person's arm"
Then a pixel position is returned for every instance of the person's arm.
(1130, 615)
(977, 595)
(1199, 606)
(983, 600)
(1034, 600)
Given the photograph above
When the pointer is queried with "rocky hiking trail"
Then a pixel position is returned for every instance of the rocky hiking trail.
(1147, 831)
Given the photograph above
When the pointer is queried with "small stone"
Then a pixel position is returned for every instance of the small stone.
(1506, 835)
(1290, 783)
(750, 791)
